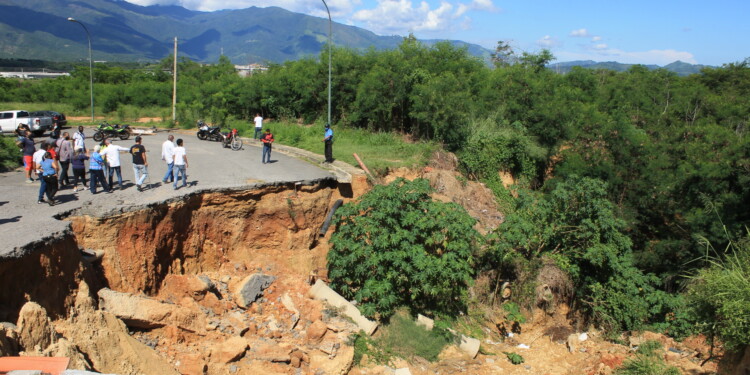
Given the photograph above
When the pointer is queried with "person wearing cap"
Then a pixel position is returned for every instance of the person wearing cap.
(140, 162)
(96, 167)
(328, 139)
(267, 140)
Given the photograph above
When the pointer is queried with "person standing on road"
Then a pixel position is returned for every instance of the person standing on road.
(96, 167)
(47, 169)
(79, 139)
(65, 152)
(140, 162)
(29, 149)
(39, 157)
(79, 168)
(328, 139)
(180, 164)
(267, 140)
(112, 153)
(258, 125)
(167, 154)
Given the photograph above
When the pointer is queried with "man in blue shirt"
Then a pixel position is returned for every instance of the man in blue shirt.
(328, 139)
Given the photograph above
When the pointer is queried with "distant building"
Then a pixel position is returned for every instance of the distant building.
(248, 70)
(32, 75)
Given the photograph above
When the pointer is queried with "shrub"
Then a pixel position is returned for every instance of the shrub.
(397, 247)
(720, 296)
(647, 361)
(575, 225)
(10, 156)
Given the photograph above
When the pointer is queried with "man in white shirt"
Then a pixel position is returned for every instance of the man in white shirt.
(167, 154)
(79, 139)
(180, 164)
(38, 157)
(258, 125)
(112, 153)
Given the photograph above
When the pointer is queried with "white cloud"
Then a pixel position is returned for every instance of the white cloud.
(548, 42)
(580, 33)
(486, 5)
(601, 46)
(596, 38)
(397, 16)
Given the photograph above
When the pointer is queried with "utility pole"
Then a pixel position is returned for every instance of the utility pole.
(174, 85)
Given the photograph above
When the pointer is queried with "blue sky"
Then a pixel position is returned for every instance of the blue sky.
(644, 32)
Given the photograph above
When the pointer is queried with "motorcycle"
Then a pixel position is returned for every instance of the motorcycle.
(105, 130)
(211, 133)
(232, 140)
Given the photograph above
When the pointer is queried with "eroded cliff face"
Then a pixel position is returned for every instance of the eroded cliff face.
(184, 258)
(272, 226)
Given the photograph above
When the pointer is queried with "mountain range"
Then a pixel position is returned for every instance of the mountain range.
(121, 31)
(125, 32)
(679, 67)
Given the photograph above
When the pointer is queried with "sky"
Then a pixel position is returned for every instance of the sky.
(635, 31)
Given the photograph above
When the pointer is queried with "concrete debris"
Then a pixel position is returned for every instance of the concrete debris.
(273, 353)
(251, 288)
(230, 350)
(8, 340)
(34, 327)
(340, 365)
(145, 312)
(468, 344)
(402, 371)
(425, 322)
(322, 292)
(316, 331)
(25, 372)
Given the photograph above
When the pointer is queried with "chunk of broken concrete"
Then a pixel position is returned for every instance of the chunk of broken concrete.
(145, 312)
(230, 350)
(425, 322)
(251, 288)
(338, 365)
(34, 327)
(316, 331)
(321, 291)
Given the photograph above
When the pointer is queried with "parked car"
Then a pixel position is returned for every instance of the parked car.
(57, 117)
(9, 121)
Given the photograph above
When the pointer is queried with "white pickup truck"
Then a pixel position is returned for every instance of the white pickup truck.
(9, 121)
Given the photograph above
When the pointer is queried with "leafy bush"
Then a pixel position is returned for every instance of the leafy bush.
(647, 361)
(514, 358)
(720, 296)
(10, 156)
(397, 247)
(575, 224)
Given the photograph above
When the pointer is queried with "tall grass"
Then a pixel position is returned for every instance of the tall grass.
(379, 151)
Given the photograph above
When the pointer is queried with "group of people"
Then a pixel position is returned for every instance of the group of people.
(55, 156)
(267, 140)
(51, 162)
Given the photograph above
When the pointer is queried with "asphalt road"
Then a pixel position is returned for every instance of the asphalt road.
(23, 221)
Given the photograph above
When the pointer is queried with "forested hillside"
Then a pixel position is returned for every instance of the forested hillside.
(629, 182)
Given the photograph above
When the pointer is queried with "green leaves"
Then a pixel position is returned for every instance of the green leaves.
(396, 246)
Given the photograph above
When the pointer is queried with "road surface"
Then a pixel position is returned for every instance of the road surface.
(23, 221)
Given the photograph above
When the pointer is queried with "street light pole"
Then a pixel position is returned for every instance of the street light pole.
(330, 28)
(91, 65)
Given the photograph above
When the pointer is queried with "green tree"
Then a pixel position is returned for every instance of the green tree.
(397, 247)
